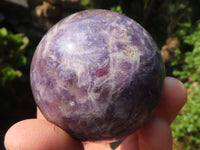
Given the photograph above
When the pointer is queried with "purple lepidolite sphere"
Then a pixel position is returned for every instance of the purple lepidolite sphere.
(97, 74)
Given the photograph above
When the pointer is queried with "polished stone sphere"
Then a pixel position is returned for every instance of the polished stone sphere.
(98, 75)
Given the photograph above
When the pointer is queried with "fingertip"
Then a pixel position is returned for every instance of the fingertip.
(173, 98)
(155, 135)
(39, 135)
(179, 89)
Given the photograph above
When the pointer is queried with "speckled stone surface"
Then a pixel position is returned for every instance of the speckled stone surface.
(97, 74)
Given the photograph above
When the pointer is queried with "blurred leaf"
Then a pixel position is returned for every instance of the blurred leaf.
(117, 9)
(3, 32)
(12, 55)
(10, 73)
(87, 4)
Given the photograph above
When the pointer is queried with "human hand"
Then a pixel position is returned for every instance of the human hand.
(39, 134)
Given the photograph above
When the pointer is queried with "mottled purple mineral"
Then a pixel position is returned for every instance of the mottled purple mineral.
(98, 75)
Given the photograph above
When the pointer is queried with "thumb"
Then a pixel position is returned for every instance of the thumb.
(39, 134)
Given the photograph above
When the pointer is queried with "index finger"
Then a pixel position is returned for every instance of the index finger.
(172, 100)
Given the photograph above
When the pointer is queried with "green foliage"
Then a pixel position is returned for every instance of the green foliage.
(12, 58)
(186, 127)
(176, 12)
(87, 4)
(190, 60)
(183, 29)
(117, 9)
(10, 74)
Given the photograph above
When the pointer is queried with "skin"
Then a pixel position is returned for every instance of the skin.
(39, 134)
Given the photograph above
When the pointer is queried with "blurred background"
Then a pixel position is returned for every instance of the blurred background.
(174, 25)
